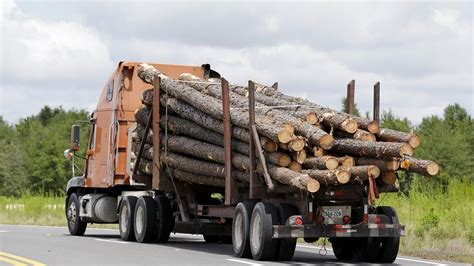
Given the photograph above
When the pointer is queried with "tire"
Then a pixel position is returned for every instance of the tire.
(359, 249)
(145, 223)
(164, 219)
(285, 246)
(389, 245)
(241, 229)
(342, 247)
(74, 224)
(262, 245)
(126, 218)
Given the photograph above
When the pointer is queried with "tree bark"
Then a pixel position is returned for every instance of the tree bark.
(329, 177)
(360, 134)
(363, 123)
(265, 126)
(422, 167)
(321, 163)
(362, 173)
(391, 135)
(294, 179)
(315, 135)
(389, 177)
(346, 161)
(198, 179)
(371, 149)
(383, 165)
(190, 113)
(388, 188)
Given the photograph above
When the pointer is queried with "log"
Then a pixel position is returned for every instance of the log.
(314, 135)
(318, 152)
(321, 163)
(296, 144)
(346, 161)
(198, 179)
(391, 135)
(419, 166)
(299, 156)
(310, 114)
(213, 107)
(360, 134)
(389, 177)
(190, 113)
(362, 173)
(294, 179)
(371, 149)
(278, 158)
(329, 177)
(383, 165)
(295, 166)
(362, 123)
(142, 115)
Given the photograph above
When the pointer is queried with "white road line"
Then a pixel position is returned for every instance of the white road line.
(420, 261)
(245, 262)
(111, 241)
(312, 247)
(3, 231)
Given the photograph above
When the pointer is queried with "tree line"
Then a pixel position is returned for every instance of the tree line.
(32, 161)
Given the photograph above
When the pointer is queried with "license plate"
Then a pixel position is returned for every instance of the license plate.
(334, 214)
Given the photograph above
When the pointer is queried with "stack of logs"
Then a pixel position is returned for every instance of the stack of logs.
(305, 145)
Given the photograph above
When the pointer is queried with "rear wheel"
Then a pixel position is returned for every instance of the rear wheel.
(241, 229)
(145, 226)
(262, 245)
(285, 246)
(126, 213)
(389, 245)
(74, 224)
(342, 247)
(165, 219)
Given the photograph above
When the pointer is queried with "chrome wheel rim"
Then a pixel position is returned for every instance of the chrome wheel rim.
(140, 219)
(239, 231)
(256, 233)
(124, 214)
(71, 214)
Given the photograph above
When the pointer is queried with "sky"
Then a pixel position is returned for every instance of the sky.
(60, 53)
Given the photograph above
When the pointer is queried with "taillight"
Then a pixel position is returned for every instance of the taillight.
(346, 219)
(298, 221)
(377, 220)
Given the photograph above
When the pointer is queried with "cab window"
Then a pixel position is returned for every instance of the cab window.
(110, 91)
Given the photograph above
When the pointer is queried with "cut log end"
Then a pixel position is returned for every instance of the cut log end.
(389, 177)
(392, 165)
(350, 125)
(432, 168)
(318, 152)
(406, 150)
(297, 144)
(313, 186)
(373, 127)
(343, 176)
(312, 118)
(414, 141)
(368, 137)
(374, 171)
(270, 146)
(299, 156)
(296, 166)
(284, 136)
(326, 142)
(284, 160)
(331, 163)
(347, 161)
(289, 128)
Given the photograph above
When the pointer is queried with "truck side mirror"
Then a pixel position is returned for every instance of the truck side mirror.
(75, 137)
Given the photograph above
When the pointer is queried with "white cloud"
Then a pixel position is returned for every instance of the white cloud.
(42, 59)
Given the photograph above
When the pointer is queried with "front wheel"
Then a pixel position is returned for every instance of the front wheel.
(74, 224)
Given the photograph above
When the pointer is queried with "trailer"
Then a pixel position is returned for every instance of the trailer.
(261, 221)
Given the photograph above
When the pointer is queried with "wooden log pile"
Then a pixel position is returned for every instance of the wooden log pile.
(305, 145)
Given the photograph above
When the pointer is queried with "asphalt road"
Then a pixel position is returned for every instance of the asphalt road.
(36, 245)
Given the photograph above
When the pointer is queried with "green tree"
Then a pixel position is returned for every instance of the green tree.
(345, 107)
(390, 120)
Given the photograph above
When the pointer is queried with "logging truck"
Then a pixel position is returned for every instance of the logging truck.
(152, 185)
